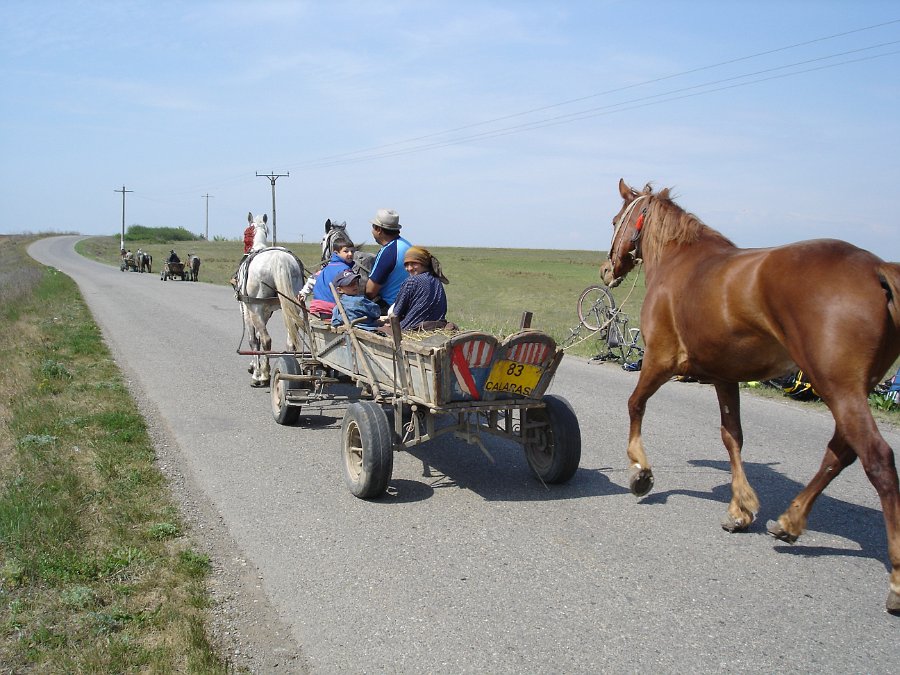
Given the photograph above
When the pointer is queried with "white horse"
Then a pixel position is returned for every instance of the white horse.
(270, 277)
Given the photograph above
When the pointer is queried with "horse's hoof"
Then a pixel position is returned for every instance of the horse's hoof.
(254, 383)
(892, 605)
(776, 530)
(731, 524)
(641, 482)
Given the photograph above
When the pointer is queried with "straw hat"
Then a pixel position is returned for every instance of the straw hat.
(387, 219)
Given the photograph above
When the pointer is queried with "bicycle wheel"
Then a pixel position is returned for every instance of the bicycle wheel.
(595, 307)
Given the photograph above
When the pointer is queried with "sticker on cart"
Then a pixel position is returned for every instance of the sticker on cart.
(512, 377)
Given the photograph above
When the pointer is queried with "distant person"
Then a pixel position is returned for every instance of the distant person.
(421, 302)
(129, 256)
(354, 303)
(173, 257)
(388, 271)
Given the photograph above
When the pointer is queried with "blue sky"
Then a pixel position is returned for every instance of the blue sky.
(483, 123)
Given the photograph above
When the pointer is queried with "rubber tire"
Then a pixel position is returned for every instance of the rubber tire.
(367, 456)
(283, 413)
(558, 461)
(590, 314)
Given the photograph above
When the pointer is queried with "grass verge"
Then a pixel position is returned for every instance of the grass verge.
(96, 573)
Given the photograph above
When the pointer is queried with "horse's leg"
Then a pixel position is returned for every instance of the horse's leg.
(264, 340)
(791, 523)
(855, 432)
(744, 502)
(641, 479)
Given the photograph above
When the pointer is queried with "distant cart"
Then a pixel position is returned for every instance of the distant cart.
(474, 382)
(172, 270)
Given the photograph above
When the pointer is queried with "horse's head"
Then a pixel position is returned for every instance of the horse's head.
(625, 249)
(333, 229)
(260, 229)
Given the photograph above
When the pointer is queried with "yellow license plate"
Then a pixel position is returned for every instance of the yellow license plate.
(512, 377)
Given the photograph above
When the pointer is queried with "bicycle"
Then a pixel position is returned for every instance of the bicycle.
(598, 313)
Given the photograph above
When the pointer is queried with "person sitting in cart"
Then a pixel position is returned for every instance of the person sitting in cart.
(320, 283)
(422, 302)
(173, 257)
(129, 256)
(356, 305)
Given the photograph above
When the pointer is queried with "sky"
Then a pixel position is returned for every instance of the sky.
(483, 123)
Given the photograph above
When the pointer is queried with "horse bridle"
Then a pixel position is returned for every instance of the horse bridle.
(638, 229)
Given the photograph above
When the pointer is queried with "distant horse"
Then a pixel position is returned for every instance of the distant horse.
(192, 267)
(144, 261)
(269, 278)
(726, 315)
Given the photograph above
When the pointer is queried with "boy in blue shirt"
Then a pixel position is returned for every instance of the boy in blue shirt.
(355, 304)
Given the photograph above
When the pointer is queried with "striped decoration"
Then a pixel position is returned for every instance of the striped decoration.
(533, 353)
(465, 357)
(478, 353)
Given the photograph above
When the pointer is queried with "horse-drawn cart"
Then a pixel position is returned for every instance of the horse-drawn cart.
(465, 384)
(172, 270)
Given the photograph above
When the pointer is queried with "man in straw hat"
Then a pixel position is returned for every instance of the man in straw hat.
(388, 271)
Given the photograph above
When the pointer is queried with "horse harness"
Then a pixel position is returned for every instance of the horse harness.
(240, 288)
(638, 227)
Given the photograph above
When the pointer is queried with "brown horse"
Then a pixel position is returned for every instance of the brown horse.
(726, 315)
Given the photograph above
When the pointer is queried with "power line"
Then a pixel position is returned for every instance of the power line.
(206, 231)
(641, 102)
(272, 176)
(316, 162)
(123, 191)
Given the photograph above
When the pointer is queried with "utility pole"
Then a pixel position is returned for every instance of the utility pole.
(206, 232)
(122, 239)
(272, 176)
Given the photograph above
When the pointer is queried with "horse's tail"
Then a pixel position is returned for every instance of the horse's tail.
(289, 285)
(889, 276)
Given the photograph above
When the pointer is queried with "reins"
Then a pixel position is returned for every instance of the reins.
(638, 227)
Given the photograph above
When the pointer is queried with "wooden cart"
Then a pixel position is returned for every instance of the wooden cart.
(172, 270)
(474, 382)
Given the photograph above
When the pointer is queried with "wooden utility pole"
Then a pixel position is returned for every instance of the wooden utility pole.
(272, 176)
(122, 238)
(206, 231)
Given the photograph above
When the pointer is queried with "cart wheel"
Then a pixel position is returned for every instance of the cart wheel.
(366, 449)
(553, 450)
(281, 410)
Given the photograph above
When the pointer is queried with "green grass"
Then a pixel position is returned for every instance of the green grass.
(96, 575)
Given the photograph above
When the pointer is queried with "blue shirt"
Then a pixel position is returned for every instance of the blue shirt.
(421, 298)
(388, 270)
(322, 289)
(356, 306)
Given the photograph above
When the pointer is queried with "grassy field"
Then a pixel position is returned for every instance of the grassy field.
(96, 574)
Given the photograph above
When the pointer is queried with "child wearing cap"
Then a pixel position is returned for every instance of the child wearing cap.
(355, 304)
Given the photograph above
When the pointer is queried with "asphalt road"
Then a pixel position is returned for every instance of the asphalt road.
(473, 567)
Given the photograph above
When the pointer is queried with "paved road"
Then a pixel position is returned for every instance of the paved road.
(475, 567)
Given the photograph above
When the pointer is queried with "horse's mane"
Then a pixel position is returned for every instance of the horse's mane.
(671, 224)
